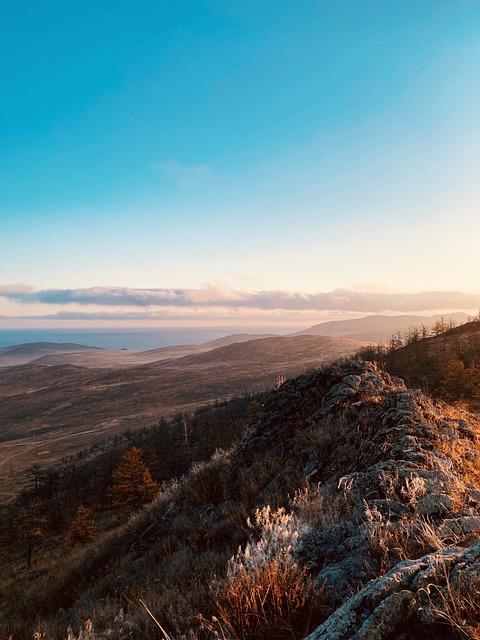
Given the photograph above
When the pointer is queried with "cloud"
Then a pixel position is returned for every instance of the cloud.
(221, 296)
(7, 290)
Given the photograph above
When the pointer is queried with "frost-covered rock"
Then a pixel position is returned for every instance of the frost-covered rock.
(414, 592)
(385, 468)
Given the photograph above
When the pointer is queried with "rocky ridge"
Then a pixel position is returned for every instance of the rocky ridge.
(390, 491)
(380, 487)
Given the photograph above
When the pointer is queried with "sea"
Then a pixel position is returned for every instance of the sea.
(134, 339)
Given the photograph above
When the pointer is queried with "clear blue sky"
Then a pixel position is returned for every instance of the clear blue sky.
(221, 147)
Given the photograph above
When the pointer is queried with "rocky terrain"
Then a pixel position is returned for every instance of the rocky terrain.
(372, 488)
(390, 476)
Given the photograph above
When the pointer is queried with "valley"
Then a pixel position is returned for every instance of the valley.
(61, 400)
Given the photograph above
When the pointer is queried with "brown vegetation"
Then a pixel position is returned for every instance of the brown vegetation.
(339, 477)
(82, 529)
(49, 412)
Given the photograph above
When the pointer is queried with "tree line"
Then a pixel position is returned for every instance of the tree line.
(443, 360)
(70, 500)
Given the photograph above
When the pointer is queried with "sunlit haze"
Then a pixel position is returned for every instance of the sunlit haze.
(237, 163)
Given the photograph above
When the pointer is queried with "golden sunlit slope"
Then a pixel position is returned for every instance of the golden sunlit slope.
(446, 365)
(378, 328)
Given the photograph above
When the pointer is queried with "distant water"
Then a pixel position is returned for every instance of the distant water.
(135, 339)
(110, 339)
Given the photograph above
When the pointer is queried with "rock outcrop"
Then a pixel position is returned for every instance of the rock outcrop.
(416, 594)
(390, 483)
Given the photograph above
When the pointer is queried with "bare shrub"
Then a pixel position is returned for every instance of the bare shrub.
(265, 593)
(275, 600)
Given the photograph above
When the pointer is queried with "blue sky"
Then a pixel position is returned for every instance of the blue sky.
(222, 150)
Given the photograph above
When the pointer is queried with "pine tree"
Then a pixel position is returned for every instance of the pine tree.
(82, 528)
(28, 526)
(132, 483)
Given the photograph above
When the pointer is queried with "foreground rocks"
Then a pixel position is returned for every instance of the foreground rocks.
(390, 488)
(441, 587)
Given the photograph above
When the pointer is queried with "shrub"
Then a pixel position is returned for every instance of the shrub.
(265, 593)
(82, 529)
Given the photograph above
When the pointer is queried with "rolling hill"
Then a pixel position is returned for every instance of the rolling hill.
(93, 357)
(378, 328)
(49, 411)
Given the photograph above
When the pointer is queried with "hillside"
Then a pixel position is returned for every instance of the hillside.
(25, 353)
(92, 357)
(270, 354)
(378, 328)
(48, 412)
(356, 502)
(446, 365)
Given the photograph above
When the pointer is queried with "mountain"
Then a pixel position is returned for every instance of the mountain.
(24, 353)
(349, 508)
(378, 328)
(92, 357)
(274, 354)
(238, 337)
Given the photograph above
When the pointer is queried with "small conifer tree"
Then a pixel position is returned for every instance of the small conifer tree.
(82, 529)
(132, 483)
(28, 526)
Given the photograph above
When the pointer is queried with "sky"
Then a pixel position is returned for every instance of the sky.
(224, 162)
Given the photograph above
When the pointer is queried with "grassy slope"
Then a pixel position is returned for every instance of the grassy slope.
(168, 554)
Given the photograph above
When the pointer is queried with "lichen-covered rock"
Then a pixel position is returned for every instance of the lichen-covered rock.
(434, 504)
(390, 476)
(414, 593)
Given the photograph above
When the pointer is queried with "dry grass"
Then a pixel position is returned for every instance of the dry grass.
(391, 542)
(265, 594)
(464, 452)
(275, 600)
(322, 506)
(454, 605)
(206, 481)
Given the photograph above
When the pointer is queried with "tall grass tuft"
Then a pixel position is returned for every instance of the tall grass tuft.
(265, 594)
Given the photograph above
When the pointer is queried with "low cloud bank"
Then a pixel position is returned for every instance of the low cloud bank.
(221, 296)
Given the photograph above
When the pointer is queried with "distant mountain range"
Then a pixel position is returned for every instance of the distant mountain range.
(58, 353)
(378, 328)
(375, 328)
